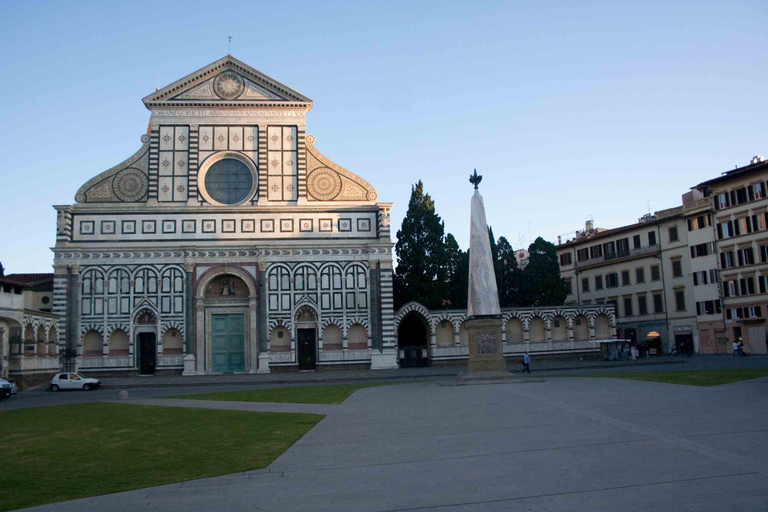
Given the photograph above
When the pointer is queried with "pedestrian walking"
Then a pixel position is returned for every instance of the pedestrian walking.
(526, 363)
(735, 348)
(741, 347)
(633, 351)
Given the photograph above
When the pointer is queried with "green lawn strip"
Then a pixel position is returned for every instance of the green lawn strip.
(65, 452)
(685, 377)
(320, 394)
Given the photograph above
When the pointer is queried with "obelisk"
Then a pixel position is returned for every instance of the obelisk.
(486, 358)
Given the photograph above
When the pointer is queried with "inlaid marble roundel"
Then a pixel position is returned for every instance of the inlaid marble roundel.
(324, 184)
(130, 185)
(228, 85)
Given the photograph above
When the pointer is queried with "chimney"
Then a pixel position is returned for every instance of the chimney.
(559, 240)
(589, 225)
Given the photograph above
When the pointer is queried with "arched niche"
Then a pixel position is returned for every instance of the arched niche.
(357, 337)
(333, 338)
(581, 328)
(444, 334)
(173, 342)
(515, 331)
(559, 329)
(280, 339)
(537, 330)
(118, 343)
(92, 344)
(602, 327)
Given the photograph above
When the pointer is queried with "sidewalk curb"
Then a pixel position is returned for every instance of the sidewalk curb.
(289, 378)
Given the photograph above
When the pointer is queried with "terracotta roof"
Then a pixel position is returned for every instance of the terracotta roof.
(734, 174)
(607, 232)
(40, 282)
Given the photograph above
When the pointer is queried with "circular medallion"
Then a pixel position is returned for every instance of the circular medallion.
(228, 85)
(324, 184)
(130, 185)
(144, 138)
(310, 139)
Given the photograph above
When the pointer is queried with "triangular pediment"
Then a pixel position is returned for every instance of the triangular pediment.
(227, 82)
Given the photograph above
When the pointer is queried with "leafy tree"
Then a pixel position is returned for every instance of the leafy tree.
(421, 272)
(542, 283)
(508, 275)
(2, 270)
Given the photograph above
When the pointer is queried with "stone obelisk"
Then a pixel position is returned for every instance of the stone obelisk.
(484, 323)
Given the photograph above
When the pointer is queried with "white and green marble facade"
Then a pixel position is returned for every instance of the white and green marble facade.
(146, 243)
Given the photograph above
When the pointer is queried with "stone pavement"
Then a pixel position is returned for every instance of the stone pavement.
(556, 445)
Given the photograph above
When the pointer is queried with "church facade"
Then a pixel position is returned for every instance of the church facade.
(226, 243)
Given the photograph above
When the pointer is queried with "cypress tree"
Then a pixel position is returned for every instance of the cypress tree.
(421, 254)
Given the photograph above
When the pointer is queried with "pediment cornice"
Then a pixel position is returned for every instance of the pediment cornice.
(257, 90)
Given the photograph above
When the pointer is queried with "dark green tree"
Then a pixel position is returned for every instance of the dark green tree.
(457, 273)
(542, 284)
(421, 254)
(2, 270)
(508, 275)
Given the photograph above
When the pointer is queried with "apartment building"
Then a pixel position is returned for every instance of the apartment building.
(739, 199)
(644, 269)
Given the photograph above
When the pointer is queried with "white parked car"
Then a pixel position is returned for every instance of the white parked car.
(73, 381)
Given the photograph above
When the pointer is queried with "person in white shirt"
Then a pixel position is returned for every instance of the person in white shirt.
(735, 348)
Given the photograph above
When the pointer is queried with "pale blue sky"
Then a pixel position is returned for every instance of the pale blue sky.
(569, 110)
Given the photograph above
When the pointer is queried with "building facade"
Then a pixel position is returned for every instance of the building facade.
(739, 202)
(644, 271)
(226, 243)
(29, 332)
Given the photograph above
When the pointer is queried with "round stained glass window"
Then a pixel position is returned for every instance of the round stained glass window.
(228, 181)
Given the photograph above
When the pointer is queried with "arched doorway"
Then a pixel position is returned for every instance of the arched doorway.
(146, 341)
(226, 306)
(413, 341)
(306, 338)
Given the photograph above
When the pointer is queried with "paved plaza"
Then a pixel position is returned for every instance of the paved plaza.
(548, 444)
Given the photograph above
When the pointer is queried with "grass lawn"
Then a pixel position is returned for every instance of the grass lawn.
(687, 378)
(60, 453)
(320, 394)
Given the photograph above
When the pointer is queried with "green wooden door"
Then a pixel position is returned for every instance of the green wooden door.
(227, 337)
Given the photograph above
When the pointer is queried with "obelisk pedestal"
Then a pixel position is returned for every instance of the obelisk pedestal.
(486, 357)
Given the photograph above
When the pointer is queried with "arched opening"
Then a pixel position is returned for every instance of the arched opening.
(226, 321)
(280, 339)
(413, 341)
(53, 341)
(559, 329)
(29, 341)
(306, 337)
(40, 341)
(118, 343)
(227, 326)
(92, 344)
(602, 327)
(580, 328)
(515, 331)
(537, 330)
(333, 338)
(444, 334)
(357, 337)
(172, 342)
(146, 341)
